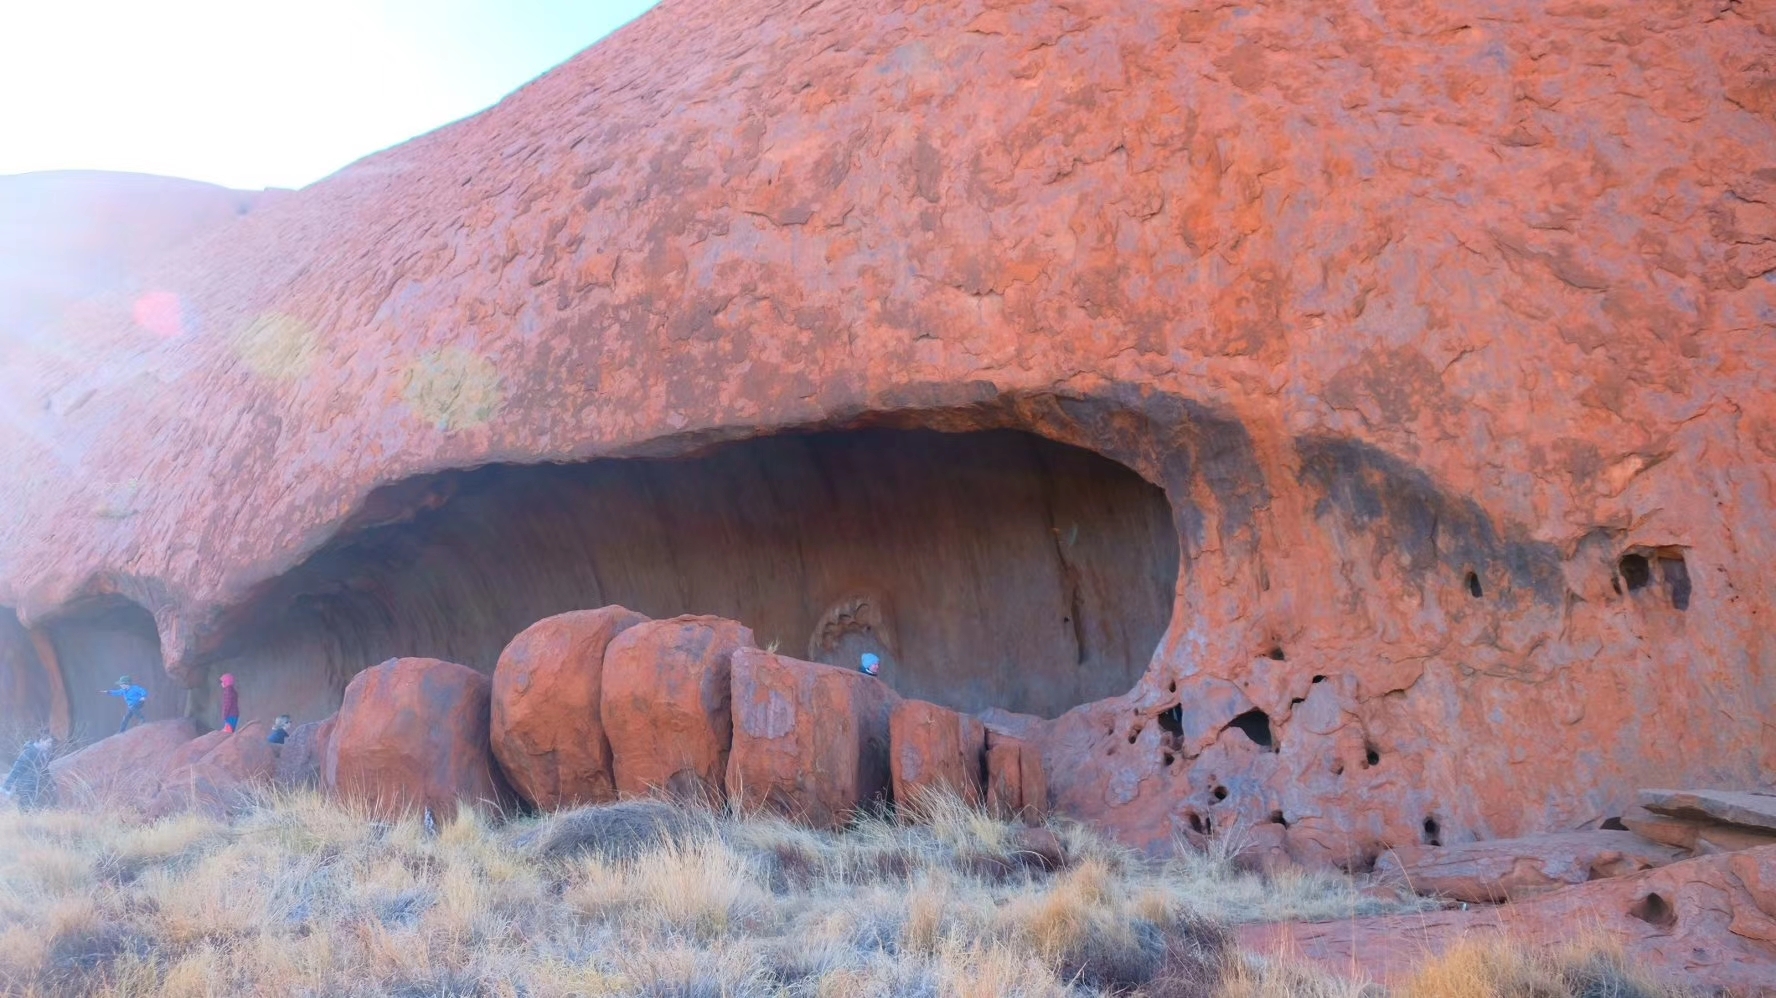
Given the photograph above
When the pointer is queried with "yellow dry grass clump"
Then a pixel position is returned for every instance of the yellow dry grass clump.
(303, 896)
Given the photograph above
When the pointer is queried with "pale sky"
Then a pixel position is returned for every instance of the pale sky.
(250, 93)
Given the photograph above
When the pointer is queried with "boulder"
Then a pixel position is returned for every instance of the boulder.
(1752, 810)
(1701, 837)
(303, 754)
(546, 726)
(1510, 869)
(810, 740)
(412, 733)
(217, 772)
(665, 705)
(936, 750)
(1017, 785)
(124, 769)
(1705, 924)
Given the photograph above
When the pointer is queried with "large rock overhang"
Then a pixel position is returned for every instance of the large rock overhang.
(1446, 329)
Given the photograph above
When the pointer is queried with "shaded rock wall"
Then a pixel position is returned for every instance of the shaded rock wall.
(989, 569)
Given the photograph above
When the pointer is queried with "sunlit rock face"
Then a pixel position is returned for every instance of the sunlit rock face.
(1439, 329)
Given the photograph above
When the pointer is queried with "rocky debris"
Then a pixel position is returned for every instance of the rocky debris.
(304, 754)
(1705, 923)
(546, 726)
(1751, 810)
(1701, 837)
(124, 769)
(412, 734)
(935, 749)
(810, 740)
(217, 772)
(1017, 785)
(1512, 869)
(665, 705)
(617, 831)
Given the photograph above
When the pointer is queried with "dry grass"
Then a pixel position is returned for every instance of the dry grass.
(305, 897)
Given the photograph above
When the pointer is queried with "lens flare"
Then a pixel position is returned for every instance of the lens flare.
(160, 313)
(453, 389)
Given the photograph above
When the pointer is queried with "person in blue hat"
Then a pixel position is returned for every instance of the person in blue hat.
(870, 664)
(133, 698)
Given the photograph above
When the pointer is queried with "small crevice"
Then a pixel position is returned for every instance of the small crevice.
(1473, 583)
(1255, 724)
(1432, 832)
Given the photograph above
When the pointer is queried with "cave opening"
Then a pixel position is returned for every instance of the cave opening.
(992, 568)
(95, 644)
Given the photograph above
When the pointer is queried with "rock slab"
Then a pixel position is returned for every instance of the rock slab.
(665, 705)
(810, 741)
(412, 734)
(1753, 810)
(217, 773)
(1017, 785)
(1512, 869)
(547, 724)
(124, 769)
(304, 754)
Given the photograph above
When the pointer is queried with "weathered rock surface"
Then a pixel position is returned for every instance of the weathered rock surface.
(1512, 869)
(935, 750)
(1438, 325)
(666, 705)
(216, 772)
(1017, 784)
(810, 740)
(546, 728)
(1703, 837)
(1705, 923)
(1752, 810)
(304, 754)
(411, 734)
(125, 769)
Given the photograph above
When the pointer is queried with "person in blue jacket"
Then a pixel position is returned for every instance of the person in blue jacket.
(133, 698)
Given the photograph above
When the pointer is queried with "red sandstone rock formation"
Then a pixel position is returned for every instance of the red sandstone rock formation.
(1705, 923)
(810, 741)
(124, 769)
(665, 705)
(1440, 326)
(1513, 869)
(546, 728)
(412, 733)
(1017, 785)
(936, 750)
(216, 772)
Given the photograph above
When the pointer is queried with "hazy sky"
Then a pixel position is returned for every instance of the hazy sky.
(250, 93)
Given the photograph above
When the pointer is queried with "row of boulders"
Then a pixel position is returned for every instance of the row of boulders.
(588, 706)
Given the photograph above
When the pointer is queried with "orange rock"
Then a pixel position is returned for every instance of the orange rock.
(665, 705)
(546, 726)
(810, 740)
(1512, 869)
(1017, 784)
(1705, 923)
(936, 749)
(217, 774)
(412, 733)
(124, 769)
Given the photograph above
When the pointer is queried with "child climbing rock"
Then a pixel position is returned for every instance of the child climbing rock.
(133, 698)
(230, 703)
(280, 730)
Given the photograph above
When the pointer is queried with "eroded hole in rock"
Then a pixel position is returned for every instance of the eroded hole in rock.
(1201, 824)
(991, 568)
(96, 644)
(1275, 654)
(1613, 824)
(1676, 576)
(1255, 724)
(1319, 679)
(1220, 793)
(1432, 832)
(1473, 583)
(1276, 818)
(1635, 571)
(1171, 720)
(1166, 758)
(1654, 910)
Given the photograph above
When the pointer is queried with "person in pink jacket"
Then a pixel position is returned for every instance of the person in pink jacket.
(230, 703)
